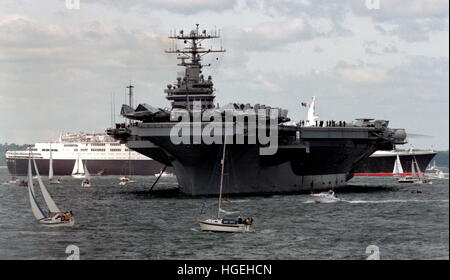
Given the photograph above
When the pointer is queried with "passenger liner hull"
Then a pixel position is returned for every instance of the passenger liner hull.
(383, 164)
(63, 167)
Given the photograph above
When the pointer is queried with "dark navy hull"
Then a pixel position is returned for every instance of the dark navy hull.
(384, 165)
(96, 167)
(321, 159)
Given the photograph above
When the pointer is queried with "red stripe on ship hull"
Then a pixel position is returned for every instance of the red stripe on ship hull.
(384, 174)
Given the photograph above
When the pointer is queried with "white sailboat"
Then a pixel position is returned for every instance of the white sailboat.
(127, 179)
(54, 217)
(78, 168)
(51, 179)
(398, 168)
(86, 182)
(219, 224)
(416, 176)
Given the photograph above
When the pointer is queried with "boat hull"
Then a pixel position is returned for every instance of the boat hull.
(52, 223)
(384, 165)
(62, 167)
(218, 227)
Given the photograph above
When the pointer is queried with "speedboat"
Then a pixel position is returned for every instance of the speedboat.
(325, 197)
(164, 174)
(125, 180)
(11, 181)
(86, 183)
(226, 225)
(54, 181)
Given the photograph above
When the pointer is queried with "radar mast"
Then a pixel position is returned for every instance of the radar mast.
(192, 86)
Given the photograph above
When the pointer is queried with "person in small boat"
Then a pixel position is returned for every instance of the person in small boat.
(239, 220)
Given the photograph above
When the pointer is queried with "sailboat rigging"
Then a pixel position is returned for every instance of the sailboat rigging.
(54, 217)
(220, 224)
(78, 168)
(51, 179)
(416, 177)
(86, 182)
(127, 179)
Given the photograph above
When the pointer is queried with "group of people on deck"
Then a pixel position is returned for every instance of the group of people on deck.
(66, 216)
(325, 123)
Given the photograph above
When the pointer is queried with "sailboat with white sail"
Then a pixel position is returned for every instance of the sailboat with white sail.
(398, 168)
(51, 178)
(78, 168)
(127, 179)
(86, 182)
(416, 177)
(220, 224)
(54, 217)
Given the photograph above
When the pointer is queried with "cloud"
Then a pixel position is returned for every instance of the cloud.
(176, 6)
(269, 35)
(409, 20)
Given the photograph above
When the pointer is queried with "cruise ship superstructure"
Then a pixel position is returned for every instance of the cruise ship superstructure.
(102, 154)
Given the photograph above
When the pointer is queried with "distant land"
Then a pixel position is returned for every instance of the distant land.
(441, 158)
(9, 147)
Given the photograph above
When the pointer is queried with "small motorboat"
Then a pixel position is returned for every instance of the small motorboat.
(125, 180)
(54, 181)
(11, 181)
(164, 174)
(86, 183)
(325, 197)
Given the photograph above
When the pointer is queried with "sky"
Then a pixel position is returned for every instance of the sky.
(382, 59)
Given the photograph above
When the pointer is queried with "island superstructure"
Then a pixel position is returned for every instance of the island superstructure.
(102, 154)
(307, 158)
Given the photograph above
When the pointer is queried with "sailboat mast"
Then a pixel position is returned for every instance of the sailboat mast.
(129, 161)
(221, 178)
(50, 168)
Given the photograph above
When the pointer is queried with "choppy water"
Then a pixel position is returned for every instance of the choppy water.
(122, 222)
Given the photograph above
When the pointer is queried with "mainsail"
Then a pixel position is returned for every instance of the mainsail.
(419, 172)
(87, 175)
(47, 197)
(78, 167)
(37, 211)
(398, 169)
(413, 169)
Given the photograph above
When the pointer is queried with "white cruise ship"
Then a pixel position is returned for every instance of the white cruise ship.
(101, 153)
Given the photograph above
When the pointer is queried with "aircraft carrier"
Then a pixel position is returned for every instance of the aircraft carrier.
(311, 155)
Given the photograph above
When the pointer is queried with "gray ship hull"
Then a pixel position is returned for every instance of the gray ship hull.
(322, 158)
